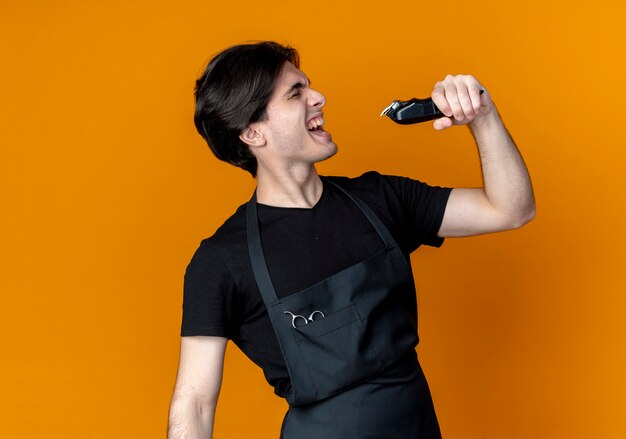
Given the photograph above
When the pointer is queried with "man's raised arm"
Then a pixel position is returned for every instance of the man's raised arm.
(506, 201)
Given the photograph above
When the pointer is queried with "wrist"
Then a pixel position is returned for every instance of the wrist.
(485, 121)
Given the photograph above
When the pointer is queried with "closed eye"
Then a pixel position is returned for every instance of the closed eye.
(293, 90)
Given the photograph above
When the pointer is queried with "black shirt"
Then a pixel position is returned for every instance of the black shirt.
(302, 246)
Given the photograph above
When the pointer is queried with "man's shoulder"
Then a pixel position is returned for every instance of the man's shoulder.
(366, 177)
(231, 234)
(233, 227)
(369, 184)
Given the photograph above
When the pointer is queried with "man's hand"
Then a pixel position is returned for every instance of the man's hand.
(459, 98)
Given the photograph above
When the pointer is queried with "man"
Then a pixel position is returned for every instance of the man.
(311, 278)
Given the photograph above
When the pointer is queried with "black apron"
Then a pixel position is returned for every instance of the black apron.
(349, 346)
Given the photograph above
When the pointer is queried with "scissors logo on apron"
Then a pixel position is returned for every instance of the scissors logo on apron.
(295, 317)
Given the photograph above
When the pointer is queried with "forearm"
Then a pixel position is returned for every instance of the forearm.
(507, 184)
(190, 419)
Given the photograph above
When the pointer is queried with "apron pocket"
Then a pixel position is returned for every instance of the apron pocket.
(332, 322)
(336, 351)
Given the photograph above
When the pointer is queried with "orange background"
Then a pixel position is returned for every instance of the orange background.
(107, 190)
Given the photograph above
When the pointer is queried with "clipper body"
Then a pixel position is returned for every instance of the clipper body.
(413, 111)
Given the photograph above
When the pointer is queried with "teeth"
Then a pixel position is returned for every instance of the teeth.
(318, 121)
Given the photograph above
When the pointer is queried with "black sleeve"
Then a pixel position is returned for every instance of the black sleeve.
(423, 207)
(208, 295)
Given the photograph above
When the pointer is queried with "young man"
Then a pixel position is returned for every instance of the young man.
(311, 278)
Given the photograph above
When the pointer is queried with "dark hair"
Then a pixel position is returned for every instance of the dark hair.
(233, 92)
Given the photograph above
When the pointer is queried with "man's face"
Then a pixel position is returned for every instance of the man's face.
(294, 127)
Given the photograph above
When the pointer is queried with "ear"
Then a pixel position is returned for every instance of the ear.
(251, 136)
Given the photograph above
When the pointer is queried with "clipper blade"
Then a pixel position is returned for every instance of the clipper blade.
(391, 106)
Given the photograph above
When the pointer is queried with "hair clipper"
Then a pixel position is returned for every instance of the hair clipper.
(413, 111)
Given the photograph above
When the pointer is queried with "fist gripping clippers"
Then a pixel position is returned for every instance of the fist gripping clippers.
(413, 111)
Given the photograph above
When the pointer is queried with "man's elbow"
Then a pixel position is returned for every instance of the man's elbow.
(199, 403)
(524, 217)
(191, 417)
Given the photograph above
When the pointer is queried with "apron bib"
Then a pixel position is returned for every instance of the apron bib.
(339, 334)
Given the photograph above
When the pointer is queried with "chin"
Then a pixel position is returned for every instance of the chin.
(329, 152)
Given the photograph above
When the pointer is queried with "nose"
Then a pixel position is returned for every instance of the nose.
(316, 99)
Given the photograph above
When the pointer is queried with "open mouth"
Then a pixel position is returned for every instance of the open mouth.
(316, 125)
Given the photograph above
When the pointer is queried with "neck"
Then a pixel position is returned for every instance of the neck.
(289, 189)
